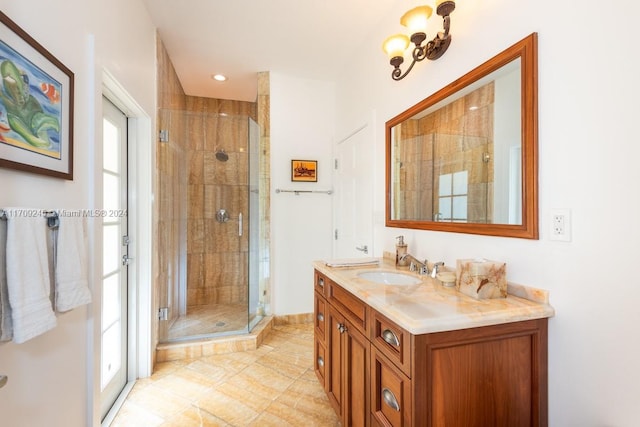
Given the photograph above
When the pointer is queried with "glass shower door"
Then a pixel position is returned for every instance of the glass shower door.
(255, 311)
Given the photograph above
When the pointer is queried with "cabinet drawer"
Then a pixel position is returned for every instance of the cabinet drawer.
(320, 283)
(391, 398)
(351, 307)
(320, 361)
(392, 341)
(320, 315)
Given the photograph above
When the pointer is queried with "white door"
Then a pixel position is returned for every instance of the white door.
(353, 178)
(113, 371)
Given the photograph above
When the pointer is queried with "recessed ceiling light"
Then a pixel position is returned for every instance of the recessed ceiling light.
(219, 77)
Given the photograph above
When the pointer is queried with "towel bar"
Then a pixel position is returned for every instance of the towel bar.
(52, 216)
(297, 192)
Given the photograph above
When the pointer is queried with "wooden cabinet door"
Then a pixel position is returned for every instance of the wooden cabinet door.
(356, 358)
(391, 393)
(333, 362)
(489, 376)
(347, 370)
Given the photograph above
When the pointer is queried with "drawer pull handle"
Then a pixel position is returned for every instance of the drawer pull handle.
(390, 337)
(320, 362)
(321, 282)
(390, 399)
(321, 317)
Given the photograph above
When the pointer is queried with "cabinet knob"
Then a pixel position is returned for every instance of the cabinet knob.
(321, 282)
(341, 328)
(320, 317)
(390, 399)
(390, 337)
(320, 362)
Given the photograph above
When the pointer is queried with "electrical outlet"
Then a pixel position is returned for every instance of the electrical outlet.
(561, 225)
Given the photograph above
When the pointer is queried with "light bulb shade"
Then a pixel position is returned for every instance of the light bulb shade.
(416, 19)
(395, 45)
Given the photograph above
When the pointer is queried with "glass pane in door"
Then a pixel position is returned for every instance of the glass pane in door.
(113, 355)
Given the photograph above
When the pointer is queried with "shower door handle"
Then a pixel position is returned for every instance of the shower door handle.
(240, 224)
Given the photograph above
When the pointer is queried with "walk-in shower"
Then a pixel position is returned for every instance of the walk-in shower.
(213, 227)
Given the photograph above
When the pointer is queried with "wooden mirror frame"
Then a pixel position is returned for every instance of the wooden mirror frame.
(527, 51)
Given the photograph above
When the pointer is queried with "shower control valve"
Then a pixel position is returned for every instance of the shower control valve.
(222, 215)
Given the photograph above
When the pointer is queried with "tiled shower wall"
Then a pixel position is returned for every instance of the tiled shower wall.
(194, 254)
(217, 256)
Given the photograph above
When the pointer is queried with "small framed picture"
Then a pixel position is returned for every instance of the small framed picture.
(304, 170)
(36, 106)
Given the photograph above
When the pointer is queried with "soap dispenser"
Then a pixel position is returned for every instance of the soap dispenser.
(401, 250)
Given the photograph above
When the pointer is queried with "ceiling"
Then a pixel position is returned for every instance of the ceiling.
(239, 38)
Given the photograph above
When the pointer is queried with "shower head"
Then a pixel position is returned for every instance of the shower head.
(222, 155)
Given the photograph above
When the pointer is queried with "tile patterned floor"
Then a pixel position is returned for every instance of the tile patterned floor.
(272, 386)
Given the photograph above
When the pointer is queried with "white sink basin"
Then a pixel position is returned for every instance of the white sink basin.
(389, 278)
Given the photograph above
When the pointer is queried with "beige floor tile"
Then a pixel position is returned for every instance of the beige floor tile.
(286, 364)
(262, 381)
(294, 417)
(233, 411)
(186, 385)
(159, 401)
(133, 415)
(255, 402)
(274, 385)
(195, 417)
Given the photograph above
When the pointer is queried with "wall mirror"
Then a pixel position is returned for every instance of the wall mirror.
(465, 159)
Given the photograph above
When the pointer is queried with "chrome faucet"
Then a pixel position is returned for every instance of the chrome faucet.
(421, 267)
(436, 268)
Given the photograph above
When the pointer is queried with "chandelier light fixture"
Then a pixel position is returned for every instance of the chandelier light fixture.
(415, 20)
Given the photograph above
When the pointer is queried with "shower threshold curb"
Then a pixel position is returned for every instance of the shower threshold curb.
(167, 352)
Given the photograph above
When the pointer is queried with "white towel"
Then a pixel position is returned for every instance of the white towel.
(28, 279)
(71, 264)
(352, 262)
(6, 324)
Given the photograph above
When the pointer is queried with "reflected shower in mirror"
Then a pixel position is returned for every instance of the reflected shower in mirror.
(465, 159)
(460, 162)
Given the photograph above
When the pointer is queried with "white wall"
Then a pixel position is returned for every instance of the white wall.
(52, 377)
(301, 128)
(589, 150)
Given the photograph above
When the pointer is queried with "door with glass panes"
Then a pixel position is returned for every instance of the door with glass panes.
(115, 257)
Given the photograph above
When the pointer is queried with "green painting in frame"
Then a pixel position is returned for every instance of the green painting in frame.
(36, 106)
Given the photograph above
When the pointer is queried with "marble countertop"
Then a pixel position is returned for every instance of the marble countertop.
(430, 307)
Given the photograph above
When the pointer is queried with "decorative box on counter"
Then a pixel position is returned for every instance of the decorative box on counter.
(481, 278)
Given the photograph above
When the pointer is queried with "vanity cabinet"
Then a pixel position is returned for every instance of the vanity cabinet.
(342, 351)
(482, 376)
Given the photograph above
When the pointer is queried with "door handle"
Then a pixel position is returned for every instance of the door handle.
(364, 249)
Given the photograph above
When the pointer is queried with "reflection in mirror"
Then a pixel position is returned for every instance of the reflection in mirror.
(452, 162)
(465, 159)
